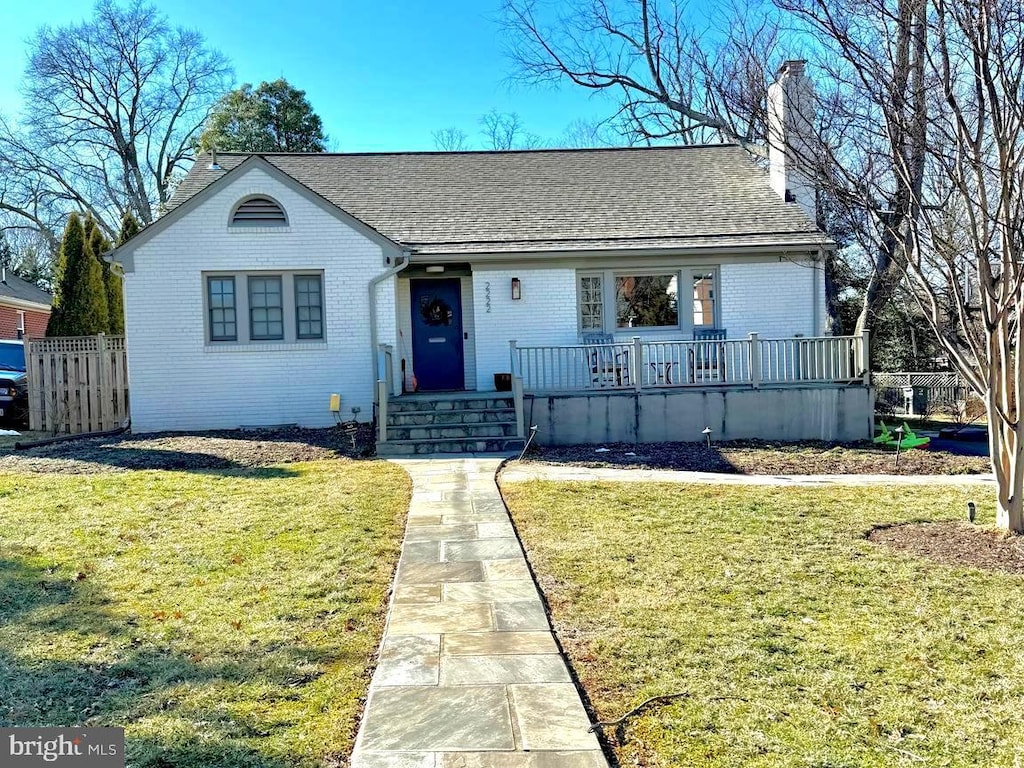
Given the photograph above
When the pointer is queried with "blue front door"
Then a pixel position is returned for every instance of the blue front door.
(437, 334)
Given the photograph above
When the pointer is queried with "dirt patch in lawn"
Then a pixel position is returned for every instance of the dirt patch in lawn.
(764, 458)
(203, 450)
(954, 543)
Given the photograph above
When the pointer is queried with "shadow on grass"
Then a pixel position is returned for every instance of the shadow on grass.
(123, 456)
(147, 681)
(217, 451)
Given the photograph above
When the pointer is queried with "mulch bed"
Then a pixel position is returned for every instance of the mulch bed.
(763, 458)
(955, 543)
(202, 450)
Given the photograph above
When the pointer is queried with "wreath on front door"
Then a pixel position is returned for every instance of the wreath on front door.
(435, 311)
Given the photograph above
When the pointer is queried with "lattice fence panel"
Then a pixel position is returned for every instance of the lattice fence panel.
(944, 390)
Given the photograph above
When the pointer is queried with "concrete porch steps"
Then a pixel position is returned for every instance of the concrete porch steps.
(503, 445)
(447, 423)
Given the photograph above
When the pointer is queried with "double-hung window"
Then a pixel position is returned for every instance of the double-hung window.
(222, 308)
(266, 309)
(309, 307)
(591, 303)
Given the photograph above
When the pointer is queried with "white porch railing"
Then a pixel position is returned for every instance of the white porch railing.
(639, 365)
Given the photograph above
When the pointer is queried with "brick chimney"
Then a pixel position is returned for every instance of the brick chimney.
(791, 141)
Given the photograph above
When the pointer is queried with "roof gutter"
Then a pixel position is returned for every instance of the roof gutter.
(32, 306)
(738, 250)
(374, 282)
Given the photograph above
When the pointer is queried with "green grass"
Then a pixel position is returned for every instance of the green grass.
(798, 642)
(224, 618)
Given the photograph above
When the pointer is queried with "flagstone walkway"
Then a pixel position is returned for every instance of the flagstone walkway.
(469, 675)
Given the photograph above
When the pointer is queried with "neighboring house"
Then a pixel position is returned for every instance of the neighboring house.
(24, 308)
(275, 280)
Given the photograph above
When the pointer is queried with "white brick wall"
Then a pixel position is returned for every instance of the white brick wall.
(772, 299)
(546, 314)
(179, 382)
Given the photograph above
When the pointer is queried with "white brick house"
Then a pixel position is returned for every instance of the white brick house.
(274, 281)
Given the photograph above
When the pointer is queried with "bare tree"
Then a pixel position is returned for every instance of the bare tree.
(504, 130)
(671, 78)
(112, 108)
(451, 140)
(500, 131)
(928, 105)
(971, 219)
(582, 134)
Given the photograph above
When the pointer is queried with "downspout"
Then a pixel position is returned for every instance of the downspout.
(374, 282)
(819, 266)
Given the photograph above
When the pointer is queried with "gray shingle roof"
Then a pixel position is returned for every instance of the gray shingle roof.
(16, 288)
(461, 202)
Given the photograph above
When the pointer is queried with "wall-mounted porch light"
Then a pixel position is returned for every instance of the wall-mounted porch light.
(517, 289)
(435, 268)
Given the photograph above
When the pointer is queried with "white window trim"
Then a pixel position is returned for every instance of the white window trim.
(243, 341)
(21, 323)
(684, 281)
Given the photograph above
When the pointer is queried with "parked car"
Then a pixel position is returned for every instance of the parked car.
(13, 385)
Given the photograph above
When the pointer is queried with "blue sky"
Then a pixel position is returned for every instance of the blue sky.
(383, 75)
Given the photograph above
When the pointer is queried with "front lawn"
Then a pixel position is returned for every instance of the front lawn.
(796, 640)
(225, 617)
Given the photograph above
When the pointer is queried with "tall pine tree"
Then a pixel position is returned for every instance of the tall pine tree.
(95, 317)
(115, 290)
(80, 296)
(72, 246)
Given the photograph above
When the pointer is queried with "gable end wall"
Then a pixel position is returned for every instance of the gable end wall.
(180, 382)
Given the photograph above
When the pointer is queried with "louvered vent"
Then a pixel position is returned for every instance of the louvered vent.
(259, 212)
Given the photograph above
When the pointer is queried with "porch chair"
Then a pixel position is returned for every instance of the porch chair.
(608, 367)
(709, 359)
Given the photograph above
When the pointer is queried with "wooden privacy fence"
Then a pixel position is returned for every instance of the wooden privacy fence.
(77, 384)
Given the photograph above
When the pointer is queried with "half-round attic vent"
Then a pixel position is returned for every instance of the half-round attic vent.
(259, 212)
